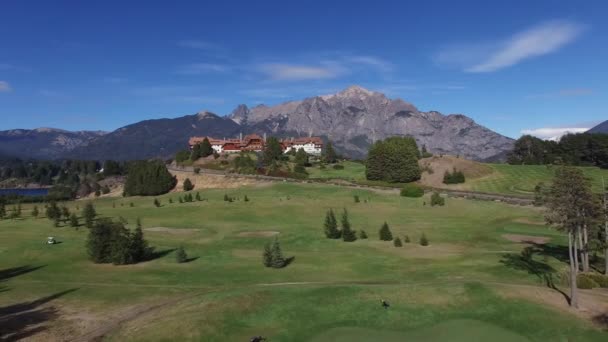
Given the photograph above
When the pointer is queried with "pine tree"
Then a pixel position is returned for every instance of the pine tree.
(138, 247)
(35, 212)
(278, 261)
(267, 255)
(57, 221)
(188, 184)
(198, 196)
(196, 152)
(348, 235)
(272, 151)
(385, 233)
(423, 240)
(362, 234)
(53, 211)
(328, 154)
(397, 242)
(301, 158)
(89, 214)
(73, 220)
(19, 209)
(180, 255)
(331, 225)
(65, 212)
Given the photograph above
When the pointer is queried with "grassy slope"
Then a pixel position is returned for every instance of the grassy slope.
(450, 280)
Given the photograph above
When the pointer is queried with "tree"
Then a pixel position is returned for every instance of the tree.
(397, 242)
(180, 255)
(348, 235)
(182, 156)
(328, 155)
(246, 199)
(385, 233)
(423, 240)
(436, 199)
(540, 193)
(569, 204)
(301, 158)
(73, 220)
(278, 260)
(89, 214)
(206, 149)
(454, 177)
(188, 186)
(393, 160)
(98, 241)
(198, 196)
(35, 212)
(605, 211)
(362, 234)
(157, 202)
(406, 239)
(138, 247)
(148, 178)
(196, 152)
(331, 226)
(272, 151)
(65, 212)
(267, 255)
(111, 242)
(2, 211)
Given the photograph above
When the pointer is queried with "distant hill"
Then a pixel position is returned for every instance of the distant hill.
(43, 143)
(353, 119)
(601, 128)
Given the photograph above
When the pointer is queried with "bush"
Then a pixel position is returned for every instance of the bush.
(407, 239)
(188, 184)
(180, 255)
(338, 167)
(412, 190)
(436, 199)
(362, 234)
(385, 233)
(423, 240)
(600, 279)
(454, 177)
(246, 199)
(583, 281)
(397, 242)
(156, 202)
(356, 198)
(197, 170)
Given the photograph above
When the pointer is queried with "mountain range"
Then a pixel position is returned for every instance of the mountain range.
(352, 119)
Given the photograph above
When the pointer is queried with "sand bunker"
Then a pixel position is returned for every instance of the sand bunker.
(176, 231)
(526, 238)
(260, 233)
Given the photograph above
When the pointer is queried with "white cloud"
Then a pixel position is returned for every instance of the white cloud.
(5, 87)
(375, 62)
(298, 72)
(540, 40)
(202, 68)
(553, 133)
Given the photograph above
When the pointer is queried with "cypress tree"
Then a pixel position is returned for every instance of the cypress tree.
(397, 242)
(278, 261)
(385, 233)
(331, 225)
(348, 234)
(89, 214)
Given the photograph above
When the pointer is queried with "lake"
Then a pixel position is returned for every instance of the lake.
(25, 192)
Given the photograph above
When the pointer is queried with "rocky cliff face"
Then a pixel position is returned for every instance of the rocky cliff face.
(356, 117)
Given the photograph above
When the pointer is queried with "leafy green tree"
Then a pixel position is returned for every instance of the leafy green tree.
(89, 214)
(206, 149)
(73, 220)
(348, 235)
(35, 212)
(180, 255)
(188, 186)
(331, 226)
(393, 160)
(272, 151)
(423, 240)
(362, 234)
(328, 154)
(385, 233)
(397, 242)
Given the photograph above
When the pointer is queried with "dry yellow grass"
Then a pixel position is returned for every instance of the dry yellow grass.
(440, 165)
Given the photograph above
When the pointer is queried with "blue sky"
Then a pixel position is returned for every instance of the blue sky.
(512, 66)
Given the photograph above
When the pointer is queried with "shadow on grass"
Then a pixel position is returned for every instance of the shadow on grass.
(289, 260)
(17, 271)
(23, 320)
(525, 262)
(153, 255)
(601, 320)
(190, 259)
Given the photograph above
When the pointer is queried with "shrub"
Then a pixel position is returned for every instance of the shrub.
(356, 198)
(407, 239)
(412, 190)
(188, 184)
(385, 233)
(246, 199)
(600, 279)
(436, 199)
(180, 255)
(131, 204)
(171, 200)
(362, 234)
(583, 281)
(156, 202)
(454, 177)
(338, 167)
(397, 242)
(197, 170)
(423, 240)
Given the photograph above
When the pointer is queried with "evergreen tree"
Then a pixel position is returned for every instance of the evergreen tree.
(436, 199)
(301, 158)
(57, 221)
(196, 152)
(180, 255)
(2, 211)
(138, 247)
(272, 151)
(267, 255)
(362, 234)
(148, 178)
(65, 212)
(348, 234)
(35, 212)
(170, 200)
(246, 199)
(393, 160)
(331, 226)
(188, 185)
(397, 242)
(206, 149)
(156, 202)
(53, 211)
(198, 196)
(278, 261)
(328, 155)
(423, 240)
(89, 214)
(385, 233)
(356, 198)
(73, 220)
(407, 239)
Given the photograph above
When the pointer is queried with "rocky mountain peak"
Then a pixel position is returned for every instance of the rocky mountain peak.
(205, 114)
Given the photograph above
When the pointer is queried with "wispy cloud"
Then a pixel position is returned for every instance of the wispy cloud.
(572, 92)
(5, 87)
(554, 133)
(540, 40)
(202, 68)
(374, 62)
(299, 72)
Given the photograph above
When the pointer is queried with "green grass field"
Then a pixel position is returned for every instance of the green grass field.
(458, 288)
